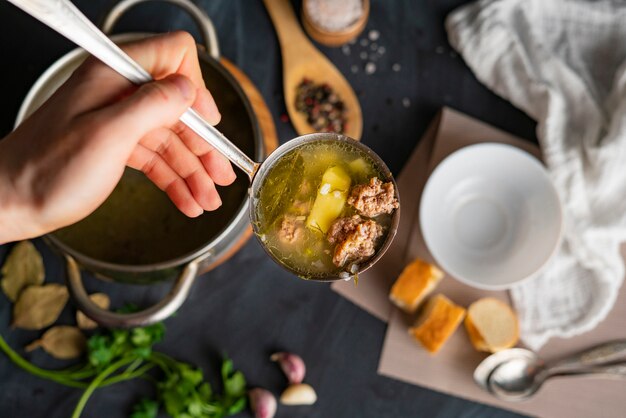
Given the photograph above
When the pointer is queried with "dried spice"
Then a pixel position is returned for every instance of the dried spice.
(99, 299)
(39, 306)
(62, 342)
(23, 267)
(324, 109)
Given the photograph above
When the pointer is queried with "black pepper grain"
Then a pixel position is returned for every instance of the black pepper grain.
(324, 109)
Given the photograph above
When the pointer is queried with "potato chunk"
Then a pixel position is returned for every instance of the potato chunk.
(331, 199)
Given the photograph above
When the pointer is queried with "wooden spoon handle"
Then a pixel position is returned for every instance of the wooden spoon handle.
(290, 35)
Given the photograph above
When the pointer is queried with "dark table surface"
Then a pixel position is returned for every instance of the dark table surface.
(249, 307)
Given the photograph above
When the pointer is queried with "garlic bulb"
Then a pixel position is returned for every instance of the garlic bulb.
(298, 394)
(292, 365)
(262, 402)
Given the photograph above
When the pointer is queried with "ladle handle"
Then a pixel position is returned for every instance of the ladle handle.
(600, 354)
(66, 19)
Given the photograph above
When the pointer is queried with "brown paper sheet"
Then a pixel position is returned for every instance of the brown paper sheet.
(450, 371)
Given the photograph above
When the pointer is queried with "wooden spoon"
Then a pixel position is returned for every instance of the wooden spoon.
(302, 60)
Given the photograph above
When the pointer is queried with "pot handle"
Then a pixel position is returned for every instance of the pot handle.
(207, 30)
(156, 313)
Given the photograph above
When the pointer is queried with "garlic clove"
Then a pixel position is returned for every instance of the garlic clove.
(298, 394)
(291, 364)
(262, 402)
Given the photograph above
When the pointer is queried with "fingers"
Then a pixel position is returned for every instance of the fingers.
(186, 167)
(205, 105)
(218, 166)
(161, 55)
(152, 106)
(185, 164)
(162, 175)
(175, 52)
(179, 50)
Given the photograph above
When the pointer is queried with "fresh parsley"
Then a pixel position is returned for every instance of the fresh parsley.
(119, 355)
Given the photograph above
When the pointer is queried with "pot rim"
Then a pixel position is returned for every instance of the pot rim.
(241, 212)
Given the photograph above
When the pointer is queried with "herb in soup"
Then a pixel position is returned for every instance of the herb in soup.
(323, 209)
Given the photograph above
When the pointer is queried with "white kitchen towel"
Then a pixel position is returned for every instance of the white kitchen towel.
(562, 62)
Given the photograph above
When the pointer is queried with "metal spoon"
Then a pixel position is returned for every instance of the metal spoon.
(518, 373)
(519, 379)
(66, 19)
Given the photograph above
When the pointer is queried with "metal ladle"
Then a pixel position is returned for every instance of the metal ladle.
(65, 18)
(517, 374)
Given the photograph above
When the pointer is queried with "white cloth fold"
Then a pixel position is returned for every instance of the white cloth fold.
(563, 63)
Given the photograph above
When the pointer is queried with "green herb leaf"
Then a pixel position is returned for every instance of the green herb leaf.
(205, 391)
(99, 351)
(235, 385)
(227, 369)
(238, 406)
(146, 408)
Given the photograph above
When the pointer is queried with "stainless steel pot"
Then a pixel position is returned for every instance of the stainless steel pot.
(239, 122)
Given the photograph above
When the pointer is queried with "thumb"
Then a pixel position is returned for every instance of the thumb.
(153, 105)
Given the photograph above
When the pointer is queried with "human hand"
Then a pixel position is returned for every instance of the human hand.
(61, 163)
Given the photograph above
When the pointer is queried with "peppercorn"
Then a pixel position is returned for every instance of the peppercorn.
(324, 110)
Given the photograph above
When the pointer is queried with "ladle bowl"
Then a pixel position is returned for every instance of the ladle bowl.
(262, 170)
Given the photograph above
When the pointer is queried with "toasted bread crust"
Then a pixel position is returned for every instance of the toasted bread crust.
(415, 283)
(441, 317)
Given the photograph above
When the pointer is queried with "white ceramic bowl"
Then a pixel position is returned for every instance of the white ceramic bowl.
(490, 215)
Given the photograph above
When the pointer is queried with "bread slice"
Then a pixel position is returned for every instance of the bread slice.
(417, 280)
(492, 325)
(438, 321)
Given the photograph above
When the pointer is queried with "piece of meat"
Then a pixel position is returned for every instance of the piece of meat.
(291, 229)
(355, 238)
(374, 198)
(342, 227)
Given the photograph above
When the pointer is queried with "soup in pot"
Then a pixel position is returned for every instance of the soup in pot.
(139, 225)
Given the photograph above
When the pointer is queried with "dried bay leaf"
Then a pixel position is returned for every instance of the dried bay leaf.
(99, 299)
(63, 342)
(23, 267)
(39, 306)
